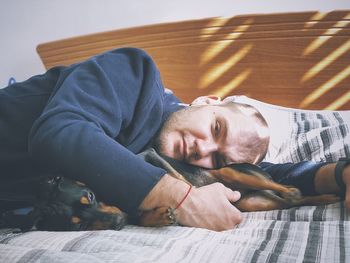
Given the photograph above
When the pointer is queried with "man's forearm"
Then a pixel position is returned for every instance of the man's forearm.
(325, 182)
(205, 207)
(167, 192)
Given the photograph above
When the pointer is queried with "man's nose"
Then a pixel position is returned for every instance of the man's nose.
(205, 147)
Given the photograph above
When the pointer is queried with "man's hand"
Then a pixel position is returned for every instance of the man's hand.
(205, 207)
(210, 207)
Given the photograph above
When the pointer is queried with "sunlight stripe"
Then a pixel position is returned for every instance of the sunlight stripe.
(339, 102)
(318, 16)
(340, 25)
(233, 84)
(325, 87)
(326, 61)
(225, 66)
(215, 48)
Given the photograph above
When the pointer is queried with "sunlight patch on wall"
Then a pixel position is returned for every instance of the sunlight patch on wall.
(339, 102)
(318, 92)
(316, 44)
(326, 61)
(315, 19)
(220, 69)
(213, 27)
(328, 34)
(216, 48)
(233, 84)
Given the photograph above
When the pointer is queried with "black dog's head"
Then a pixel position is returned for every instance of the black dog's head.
(71, 205)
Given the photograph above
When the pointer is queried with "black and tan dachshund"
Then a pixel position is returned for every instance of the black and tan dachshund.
(66, 205)
(258, 191)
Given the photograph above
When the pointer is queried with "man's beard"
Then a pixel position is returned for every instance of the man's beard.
(161, 139)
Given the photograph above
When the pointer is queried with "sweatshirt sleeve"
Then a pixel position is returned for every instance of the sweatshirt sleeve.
(79, 133)
(300, 175)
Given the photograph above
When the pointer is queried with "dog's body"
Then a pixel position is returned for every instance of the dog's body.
(258, 191)
(64, 204)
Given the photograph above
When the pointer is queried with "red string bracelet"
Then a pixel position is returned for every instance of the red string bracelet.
(184, 198)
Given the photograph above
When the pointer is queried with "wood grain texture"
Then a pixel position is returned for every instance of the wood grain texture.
(293, 59)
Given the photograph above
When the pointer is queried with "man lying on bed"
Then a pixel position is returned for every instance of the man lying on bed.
(89, 120)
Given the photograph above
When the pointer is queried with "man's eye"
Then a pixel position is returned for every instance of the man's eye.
(196, 156)
(217, 128)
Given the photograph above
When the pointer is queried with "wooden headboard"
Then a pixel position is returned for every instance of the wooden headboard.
(293, 59)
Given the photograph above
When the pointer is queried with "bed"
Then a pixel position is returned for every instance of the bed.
(294, 60)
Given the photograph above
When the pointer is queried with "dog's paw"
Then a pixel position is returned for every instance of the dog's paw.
(162, 216)
(292, 195)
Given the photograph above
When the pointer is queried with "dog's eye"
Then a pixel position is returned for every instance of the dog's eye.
(91, 197)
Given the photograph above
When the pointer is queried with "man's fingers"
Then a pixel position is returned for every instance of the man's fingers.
(236, 215)
(232, 196)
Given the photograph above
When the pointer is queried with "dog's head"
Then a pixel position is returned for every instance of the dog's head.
(71, 205)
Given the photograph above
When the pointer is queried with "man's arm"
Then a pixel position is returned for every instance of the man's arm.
(310, 177)
(101, 112)
(206, 207)
(325, 182)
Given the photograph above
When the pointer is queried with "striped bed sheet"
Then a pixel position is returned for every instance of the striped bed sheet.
(302, 234)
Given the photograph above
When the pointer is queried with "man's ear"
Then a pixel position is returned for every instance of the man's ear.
(206, 100)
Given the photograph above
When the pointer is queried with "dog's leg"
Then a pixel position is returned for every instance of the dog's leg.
(261, 201)
(237, 180)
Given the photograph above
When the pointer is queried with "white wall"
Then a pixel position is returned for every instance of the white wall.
(26, 23)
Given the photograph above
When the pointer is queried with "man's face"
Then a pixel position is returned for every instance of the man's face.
(210, 136)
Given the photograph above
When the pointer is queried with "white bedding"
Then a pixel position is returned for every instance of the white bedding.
(305, 234)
